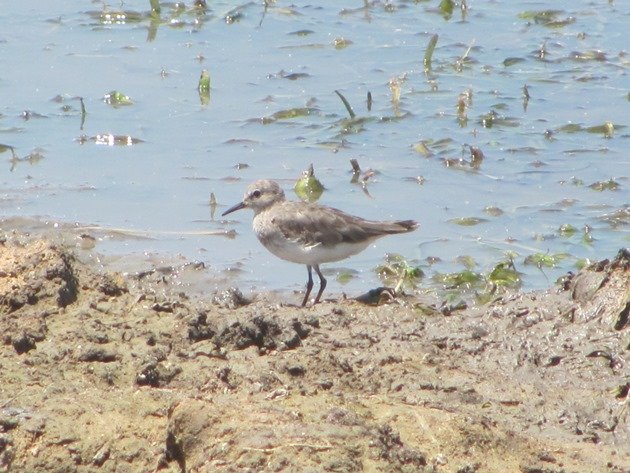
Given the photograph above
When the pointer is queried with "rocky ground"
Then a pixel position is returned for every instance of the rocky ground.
(100, 372)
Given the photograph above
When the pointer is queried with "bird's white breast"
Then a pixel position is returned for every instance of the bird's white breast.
(297, 252)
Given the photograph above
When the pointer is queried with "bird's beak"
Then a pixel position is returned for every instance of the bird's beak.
(234, 208)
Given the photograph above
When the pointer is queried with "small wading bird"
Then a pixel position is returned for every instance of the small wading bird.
(310, 234)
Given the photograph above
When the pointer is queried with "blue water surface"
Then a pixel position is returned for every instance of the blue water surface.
(544, 158)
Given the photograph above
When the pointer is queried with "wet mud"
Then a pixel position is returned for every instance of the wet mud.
(112, 373)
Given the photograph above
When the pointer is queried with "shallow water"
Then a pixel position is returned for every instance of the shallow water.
(540, 155)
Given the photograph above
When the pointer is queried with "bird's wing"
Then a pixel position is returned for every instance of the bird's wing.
(313, 225)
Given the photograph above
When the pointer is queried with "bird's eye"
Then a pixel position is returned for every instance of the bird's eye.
(256, 194)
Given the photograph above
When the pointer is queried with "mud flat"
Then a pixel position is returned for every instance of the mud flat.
(112, 373)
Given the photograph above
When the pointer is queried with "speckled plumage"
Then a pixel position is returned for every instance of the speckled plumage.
(310, 234)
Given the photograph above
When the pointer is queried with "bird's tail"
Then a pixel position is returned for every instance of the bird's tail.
(407, 225)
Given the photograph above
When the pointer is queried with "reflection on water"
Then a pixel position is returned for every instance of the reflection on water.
(517, 109)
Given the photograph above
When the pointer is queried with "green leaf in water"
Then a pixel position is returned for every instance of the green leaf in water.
(5, 148)
(512, 60)
(428, 55)
(587, 236)
(571, 128)
(548, 18)
(155, 7)
(467, 221)
(466, 260)
(610, 185)
(116, 98)
(540, 16)
(422, 149)
(308, 188)
(607, 129)
(400, 271)
(204, 81)
(346, 104)
(567, 230)
(288, 114)
(582, 263)
(588, 56)
(341, 43)
(463, 278)
(213, 205)
(504, 274)
(204, 87)
(446, 7)
(545, 259)
(487, 120)
(344, 277)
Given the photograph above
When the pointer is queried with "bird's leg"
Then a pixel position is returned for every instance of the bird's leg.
(309, 283)
(322, 282)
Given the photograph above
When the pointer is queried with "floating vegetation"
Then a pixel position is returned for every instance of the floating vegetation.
(618, 218)
(465, 279)
(288, 114)
(464, 101)
(467, 261)
(428, 55)
(399, 271)
(609, 185)
(346, 104)
(571, 128)
(395, 89)
(5, 148)
(476, 158)
(446, 8)
(573, 181)
(359, 177)
(233, 16)
(464, 59)
(117, 17)
(545, 259)
(108, 139)
(213, 205)
(588, 56)
(302, 32)
(493, 211)
(422, 148)
(116, 98)
(467, 221)
(289, 75)
(108, 16)
(32, 158)
(344, 277)
(526, 97)
(83, 112)
(155, 7)
(587, 236)
(354, 124)
(548, 18)
(308, 187)
(204, 87)
(341, 43)
(492, 118)
(607, 129)
(510, 61)
(567, 230)
(505, 275)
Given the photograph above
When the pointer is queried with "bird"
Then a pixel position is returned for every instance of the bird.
(309, 233)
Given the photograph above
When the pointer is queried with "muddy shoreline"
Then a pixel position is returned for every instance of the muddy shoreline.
(101, 372)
